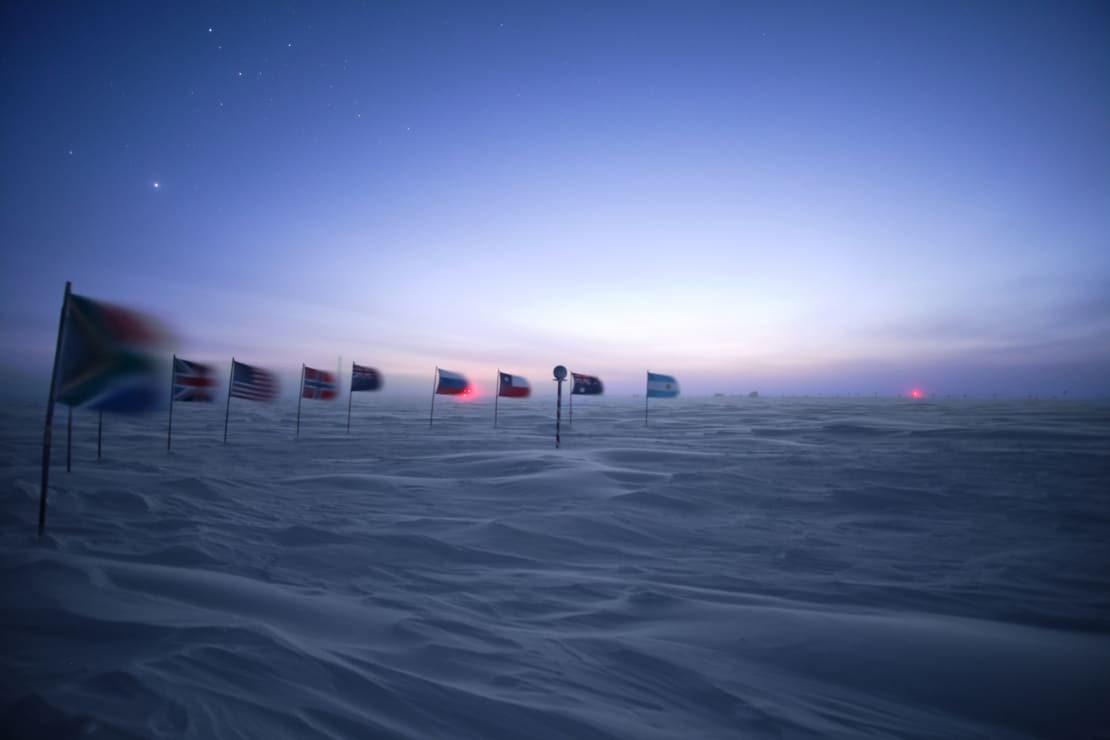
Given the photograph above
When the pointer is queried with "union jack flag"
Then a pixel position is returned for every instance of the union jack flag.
(192, 381)
(319, 384)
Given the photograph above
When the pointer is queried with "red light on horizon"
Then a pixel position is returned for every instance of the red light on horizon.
(916, 393)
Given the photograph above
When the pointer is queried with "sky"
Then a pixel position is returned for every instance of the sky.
(790, 197)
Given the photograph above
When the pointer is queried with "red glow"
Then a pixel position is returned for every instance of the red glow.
(916, 393)
(468, 394)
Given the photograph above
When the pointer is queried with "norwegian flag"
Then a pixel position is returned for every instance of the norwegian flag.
(192, 381)
(319, 384)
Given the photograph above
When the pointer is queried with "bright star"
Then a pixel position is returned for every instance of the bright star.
(157, 185)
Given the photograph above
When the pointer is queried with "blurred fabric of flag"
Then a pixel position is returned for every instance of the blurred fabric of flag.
(661, 386)
(586, 385)
(111, 358)
(451, 384)
(365, 378)
(513, 386)
(319, 384)
(252, 383)
(192, 381)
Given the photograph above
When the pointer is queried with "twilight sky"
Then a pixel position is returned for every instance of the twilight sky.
(847, 197)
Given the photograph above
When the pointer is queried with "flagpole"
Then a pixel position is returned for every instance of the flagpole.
(570, 403)
(299, 397)
(432, 414)
(227, 411)
(560, 373)
(646, 397)
(169, 428)
(498, 395)
(48, 426)
(350, 395)
(99, 433)
(69, 436)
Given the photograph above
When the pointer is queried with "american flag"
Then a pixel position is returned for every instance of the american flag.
(319, 384)
(192, 381)
(252, 383)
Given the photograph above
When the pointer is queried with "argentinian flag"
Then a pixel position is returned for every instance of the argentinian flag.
(661, 386)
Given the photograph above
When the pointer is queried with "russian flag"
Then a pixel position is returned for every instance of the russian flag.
(451, 384)
(513, 386)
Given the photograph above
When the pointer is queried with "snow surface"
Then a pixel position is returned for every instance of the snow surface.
(757, 568)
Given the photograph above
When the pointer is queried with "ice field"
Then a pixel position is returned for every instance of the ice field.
(755, 568)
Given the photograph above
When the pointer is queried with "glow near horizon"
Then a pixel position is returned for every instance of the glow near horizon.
(664, 191)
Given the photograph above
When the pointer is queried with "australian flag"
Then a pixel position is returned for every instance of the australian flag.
(319, 384)
(192, 381)
(586, 385)
(365, 378)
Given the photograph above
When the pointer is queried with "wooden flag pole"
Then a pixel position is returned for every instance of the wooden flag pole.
(69, 437)
(496, 396)
(350, 395)
(48, 428)
(227, 411)
(300, 396)
(432, 414)
(99, 433)
(169, 428)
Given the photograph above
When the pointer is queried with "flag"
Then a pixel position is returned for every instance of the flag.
(451, 384)
(109, 359)
(252, 383)
(319, 384)
(513, 386)
(192, 381)
(661, 386)
(365, 379)
(586, 385)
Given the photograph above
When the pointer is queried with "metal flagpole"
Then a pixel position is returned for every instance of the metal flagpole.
(432, 414)
(560, 373)
(99, 433)
(299, 397)
(227, 411)
(570, 403)
(350, 395)
(169, 427)
(646, 397)
(498, 395)
(48, 428)
(69, 436)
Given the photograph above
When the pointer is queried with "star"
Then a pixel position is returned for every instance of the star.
(157, 185)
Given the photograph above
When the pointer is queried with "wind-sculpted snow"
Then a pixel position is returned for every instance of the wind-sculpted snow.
(757, 568)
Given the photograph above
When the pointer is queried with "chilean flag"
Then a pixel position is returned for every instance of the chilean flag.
(451, 384)
(513, 386)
